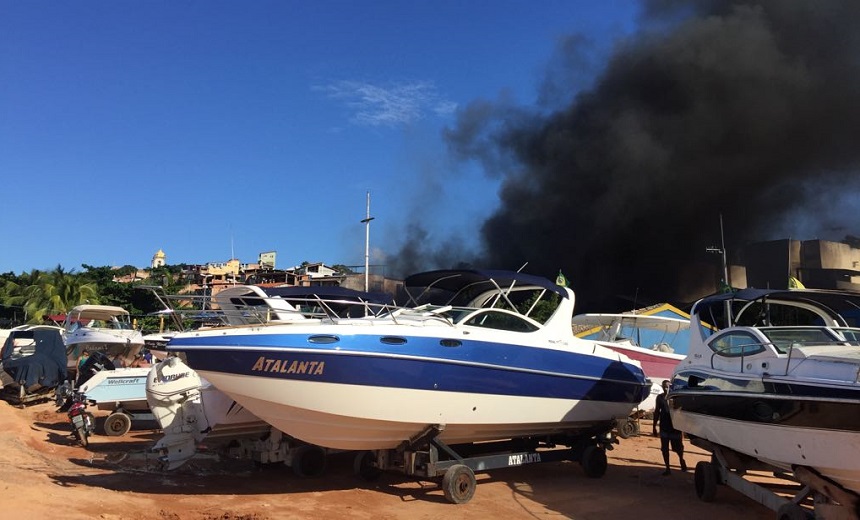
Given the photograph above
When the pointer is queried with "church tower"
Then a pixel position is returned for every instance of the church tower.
(158, 259)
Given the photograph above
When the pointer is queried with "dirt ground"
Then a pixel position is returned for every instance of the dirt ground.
(45, 473)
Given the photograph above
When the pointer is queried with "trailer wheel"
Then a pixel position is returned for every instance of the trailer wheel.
(364, 466)
(792, 511)
(593, 461)
(459, 483)
(309, 461)
(706, 481)
(117, 424)
(628, 428)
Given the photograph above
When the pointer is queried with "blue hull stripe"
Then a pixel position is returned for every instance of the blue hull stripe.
(473, 367)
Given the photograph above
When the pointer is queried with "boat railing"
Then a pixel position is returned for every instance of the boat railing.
(195, 311)
(743, 351)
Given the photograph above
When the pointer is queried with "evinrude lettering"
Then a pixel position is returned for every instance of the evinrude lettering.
(172, 377)
(285, 366)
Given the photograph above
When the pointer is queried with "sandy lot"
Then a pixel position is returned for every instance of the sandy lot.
(44, 473)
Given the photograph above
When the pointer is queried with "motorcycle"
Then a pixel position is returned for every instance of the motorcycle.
(83, 422)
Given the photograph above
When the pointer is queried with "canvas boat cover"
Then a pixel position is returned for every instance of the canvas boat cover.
(46, 366)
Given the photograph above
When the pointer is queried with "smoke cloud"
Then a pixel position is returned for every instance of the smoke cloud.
(749, 110)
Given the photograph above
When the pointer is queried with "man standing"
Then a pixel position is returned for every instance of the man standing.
(668, 433)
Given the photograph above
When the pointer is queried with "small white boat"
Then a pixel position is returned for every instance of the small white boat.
(101, 328)
(122, 392)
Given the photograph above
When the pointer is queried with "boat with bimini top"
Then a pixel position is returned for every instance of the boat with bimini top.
(101, 328)
(470, 357)
(776, 384)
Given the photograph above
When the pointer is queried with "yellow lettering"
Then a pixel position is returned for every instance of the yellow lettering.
(277, 366)
(259, 364)
(319, 369)
(303, 367)
(284, 366)
(268, 364)
(293, 367)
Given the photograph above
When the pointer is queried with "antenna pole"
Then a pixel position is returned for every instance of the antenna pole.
(723, 243)
(366, 223)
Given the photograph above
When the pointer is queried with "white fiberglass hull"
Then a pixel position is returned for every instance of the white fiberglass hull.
(835, 454)
(121, 346)
(353, 417)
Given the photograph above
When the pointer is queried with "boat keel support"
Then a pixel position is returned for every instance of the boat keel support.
(830, 501)
(427, 456)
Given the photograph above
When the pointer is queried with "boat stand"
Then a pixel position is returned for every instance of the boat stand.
(824, 499)
(425, 455)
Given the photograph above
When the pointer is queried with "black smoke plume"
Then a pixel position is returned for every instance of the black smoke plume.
(749, 110)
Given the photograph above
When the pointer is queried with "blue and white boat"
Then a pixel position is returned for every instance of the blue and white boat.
(475, 355)
(776, 383)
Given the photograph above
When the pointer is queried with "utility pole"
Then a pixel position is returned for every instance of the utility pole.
(366, 223)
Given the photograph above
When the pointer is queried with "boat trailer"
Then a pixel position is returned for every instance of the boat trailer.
(425, 455)
(814, 496)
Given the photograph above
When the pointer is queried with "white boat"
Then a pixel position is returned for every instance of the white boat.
(101, 328)
(647, 339)
(469, 358)
(776, 383)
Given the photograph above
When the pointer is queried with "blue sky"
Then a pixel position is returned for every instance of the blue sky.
(210, 129)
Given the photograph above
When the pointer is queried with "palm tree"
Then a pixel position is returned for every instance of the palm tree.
(14, 292)
(45, 293)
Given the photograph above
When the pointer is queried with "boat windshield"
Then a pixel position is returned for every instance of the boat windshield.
(784, 338)
(851, 335)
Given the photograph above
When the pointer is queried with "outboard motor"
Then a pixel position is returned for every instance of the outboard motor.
(189, 409)
(173, 394)
(97, 362)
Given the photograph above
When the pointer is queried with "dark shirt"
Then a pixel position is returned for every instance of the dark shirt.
(661, 415)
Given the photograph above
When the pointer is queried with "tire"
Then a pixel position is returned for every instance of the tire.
(628, 428)
(459, 484)
(82, 436)
(706, 481)
(365, 467)
(593, 462)
(308, 461)
(792, 511)
(117, 424)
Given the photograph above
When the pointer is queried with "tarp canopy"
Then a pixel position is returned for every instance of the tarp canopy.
(46, 366)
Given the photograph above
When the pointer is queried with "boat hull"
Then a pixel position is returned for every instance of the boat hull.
(354, 417)
(366, 391)
(658, 366)
(834, 454)
(110, 389)
(119, 346)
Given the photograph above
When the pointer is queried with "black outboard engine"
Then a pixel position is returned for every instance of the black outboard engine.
(97, 362)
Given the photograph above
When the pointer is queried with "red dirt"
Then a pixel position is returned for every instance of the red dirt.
(44, 473)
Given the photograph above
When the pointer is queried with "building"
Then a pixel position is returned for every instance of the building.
(818, 264)
(159, 259)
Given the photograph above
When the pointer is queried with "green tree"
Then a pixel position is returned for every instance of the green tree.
(44, 293)
(342, 269)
